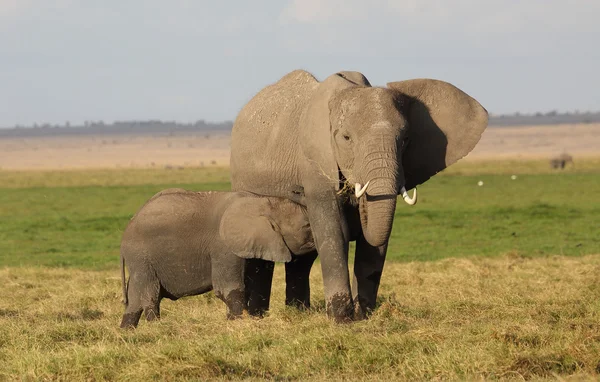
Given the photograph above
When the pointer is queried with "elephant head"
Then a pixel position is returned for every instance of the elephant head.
(267, 228)
(387, 140)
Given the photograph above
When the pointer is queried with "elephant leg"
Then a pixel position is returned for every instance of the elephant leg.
(133, 309)
(151, 298)
(368, 267)
(152, 311)
(228, 283)
(297, 283)
(258, 278)
(330, 235)
(142, 295)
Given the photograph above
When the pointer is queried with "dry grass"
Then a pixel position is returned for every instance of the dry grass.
(503, 318)
(509, 166)
(112, 177)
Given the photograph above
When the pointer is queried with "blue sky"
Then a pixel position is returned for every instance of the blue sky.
(76, 60)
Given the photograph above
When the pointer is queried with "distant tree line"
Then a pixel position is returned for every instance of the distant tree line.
(154, 127)
(157, 127)
(549, 118)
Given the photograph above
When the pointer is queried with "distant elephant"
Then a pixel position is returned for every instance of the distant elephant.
(342, 134)
(561, 161)
(183, 243)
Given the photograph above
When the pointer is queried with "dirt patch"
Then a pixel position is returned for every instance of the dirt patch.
(111, 151)
(536, 142)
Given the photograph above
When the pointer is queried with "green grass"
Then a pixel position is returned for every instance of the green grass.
(75, 218)
(537, 214)
(518, 166)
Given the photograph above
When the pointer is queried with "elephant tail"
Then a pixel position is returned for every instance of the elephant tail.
(124, 283)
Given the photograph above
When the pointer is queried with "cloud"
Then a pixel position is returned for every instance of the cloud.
(324, 11)
(10, 8)
(458, 28)
(436, 13)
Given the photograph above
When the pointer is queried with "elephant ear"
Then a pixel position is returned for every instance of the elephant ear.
(248, 231)
(320, 166)
(444, 124)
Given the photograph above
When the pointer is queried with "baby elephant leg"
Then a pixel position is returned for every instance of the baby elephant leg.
(152, 309)
(228, 282)
(133, 309)
(142, 295)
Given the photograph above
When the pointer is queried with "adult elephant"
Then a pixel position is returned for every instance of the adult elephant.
(328, 136)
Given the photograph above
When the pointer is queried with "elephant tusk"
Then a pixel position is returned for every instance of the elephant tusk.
(360, 190)
(410, 201)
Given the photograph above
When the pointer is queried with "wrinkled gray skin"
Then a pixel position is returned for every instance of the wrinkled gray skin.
(183, 243)
(322, 136)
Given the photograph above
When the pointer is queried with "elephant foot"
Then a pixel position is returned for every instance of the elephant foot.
(130, 320)
(359, 315)
(257, 310)
(235, 302)
(231, 316)
(152, 314)
(257, 304)
(340, 307)
(362, 309)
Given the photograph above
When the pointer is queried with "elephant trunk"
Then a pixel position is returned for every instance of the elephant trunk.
(378, 205)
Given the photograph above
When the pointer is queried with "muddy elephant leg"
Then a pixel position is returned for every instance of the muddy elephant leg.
(297, 283)
(228, 283)
(368, 267)
(258, 279)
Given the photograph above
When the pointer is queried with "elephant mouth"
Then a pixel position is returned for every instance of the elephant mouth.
(376, 198)
(360, 190)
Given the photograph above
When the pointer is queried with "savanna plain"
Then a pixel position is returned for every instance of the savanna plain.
(493, 282)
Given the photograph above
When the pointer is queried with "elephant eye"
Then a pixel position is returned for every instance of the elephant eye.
(346, 137)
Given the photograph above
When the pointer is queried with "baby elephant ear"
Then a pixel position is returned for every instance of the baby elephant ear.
(248, 232)
(444, 125)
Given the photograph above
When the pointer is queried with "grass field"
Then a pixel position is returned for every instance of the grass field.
(513, 293)
(75, 218)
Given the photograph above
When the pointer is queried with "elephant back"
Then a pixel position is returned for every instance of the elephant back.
(264, 140)
(277, 102)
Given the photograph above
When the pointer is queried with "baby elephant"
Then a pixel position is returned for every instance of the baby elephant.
(184, 243)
